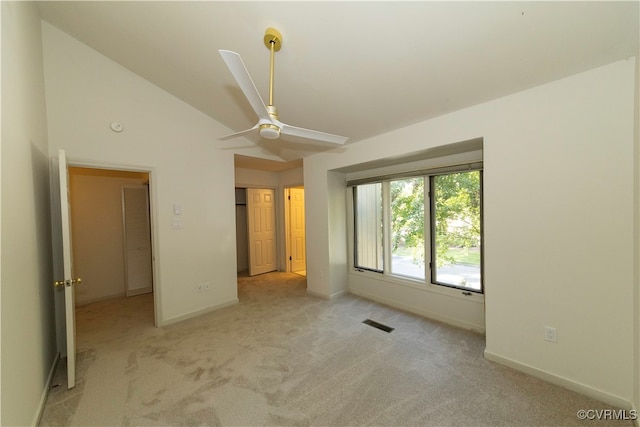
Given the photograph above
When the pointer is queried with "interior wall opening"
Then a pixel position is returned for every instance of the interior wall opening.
(111, 235)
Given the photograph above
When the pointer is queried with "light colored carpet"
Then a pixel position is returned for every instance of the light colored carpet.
(282, 357)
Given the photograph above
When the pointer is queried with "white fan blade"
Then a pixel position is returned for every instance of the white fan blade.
(244, 132)
(240, 73)
(311, 134)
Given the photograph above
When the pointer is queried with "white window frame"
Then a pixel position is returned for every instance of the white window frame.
(386, 273)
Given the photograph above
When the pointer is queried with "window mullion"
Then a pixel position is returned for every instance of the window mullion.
(428, 230)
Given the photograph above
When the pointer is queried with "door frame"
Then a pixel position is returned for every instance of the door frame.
(287, 227)
(280, 261)
(157, 295)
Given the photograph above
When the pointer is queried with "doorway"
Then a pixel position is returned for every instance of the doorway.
(137, 239)
(256, 231)
(295, 230)
(291, 220)
(103, 232)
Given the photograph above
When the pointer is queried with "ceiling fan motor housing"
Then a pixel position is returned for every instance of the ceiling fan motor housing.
(269, 131)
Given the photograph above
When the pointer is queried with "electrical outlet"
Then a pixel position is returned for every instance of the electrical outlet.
(550, 334)
(203, 287)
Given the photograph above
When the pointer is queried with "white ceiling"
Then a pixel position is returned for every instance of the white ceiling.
(357, 69)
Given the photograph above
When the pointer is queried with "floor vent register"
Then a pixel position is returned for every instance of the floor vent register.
(378, 325)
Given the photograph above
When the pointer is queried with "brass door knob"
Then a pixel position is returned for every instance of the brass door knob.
(67, 282)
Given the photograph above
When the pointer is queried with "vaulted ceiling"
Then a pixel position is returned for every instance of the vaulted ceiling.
(357, 69)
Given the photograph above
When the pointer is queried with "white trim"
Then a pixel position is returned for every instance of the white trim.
(258, 186)
(584, 389)
(317, 294)
(124, 167)
(473, 152)
(338, 294)
(155, 230)
(45, 393)
(327, 297)
(199, 312)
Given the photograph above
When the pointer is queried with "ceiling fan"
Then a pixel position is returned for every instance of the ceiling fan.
(269, 126)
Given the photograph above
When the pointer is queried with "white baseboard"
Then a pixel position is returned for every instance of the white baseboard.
(197, 313)
(327, 297)
(45, 392)
(338, 294)
(423, 313)
(317, 294)
(584, 389)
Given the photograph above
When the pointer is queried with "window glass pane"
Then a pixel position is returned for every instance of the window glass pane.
(457, 237)
(407, 227)
(368, 226)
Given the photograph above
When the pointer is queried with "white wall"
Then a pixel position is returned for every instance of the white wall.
(85, 93)
(246, 178)
(291, 178)
(97, 231)
(28, 327)
(558, 212)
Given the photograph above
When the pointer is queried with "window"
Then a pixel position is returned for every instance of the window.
(423, 227)
(367, 201)
(456, 230)
(407, 227)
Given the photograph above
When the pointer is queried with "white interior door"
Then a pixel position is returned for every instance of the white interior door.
(261, 227)
(137, 240)
(296, 229)
(69, 281)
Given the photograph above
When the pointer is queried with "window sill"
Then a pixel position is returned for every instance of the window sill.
(420, 285)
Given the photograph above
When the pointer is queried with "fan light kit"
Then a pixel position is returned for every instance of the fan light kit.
(269, 125)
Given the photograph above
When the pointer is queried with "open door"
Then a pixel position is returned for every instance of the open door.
(68, 281)
(261, 230)
(137, 240)
(297, 230)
